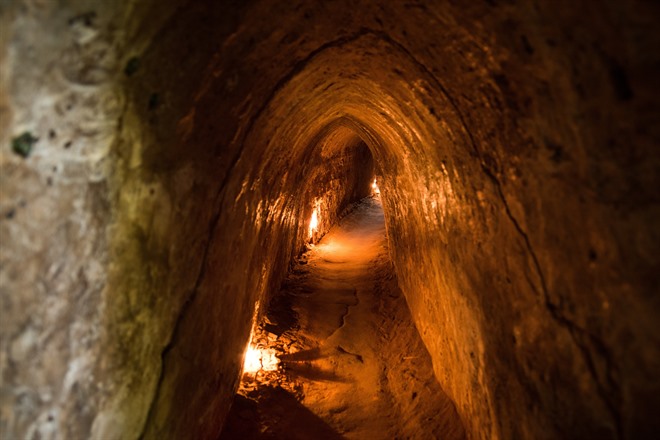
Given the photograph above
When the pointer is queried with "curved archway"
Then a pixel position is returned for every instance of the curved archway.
(420, 160)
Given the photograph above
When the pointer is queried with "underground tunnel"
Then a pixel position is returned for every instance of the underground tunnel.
(378, 219)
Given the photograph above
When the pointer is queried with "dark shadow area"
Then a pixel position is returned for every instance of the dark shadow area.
(273, 413)
(309, 371)
(305, 355)
(280, 316)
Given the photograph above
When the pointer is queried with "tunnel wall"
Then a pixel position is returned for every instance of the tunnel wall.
(57, 83)
(180, 151)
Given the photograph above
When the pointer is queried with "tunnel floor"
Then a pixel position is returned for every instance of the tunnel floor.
(351, 363)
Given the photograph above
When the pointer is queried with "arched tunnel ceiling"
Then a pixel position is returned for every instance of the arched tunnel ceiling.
(515, 148)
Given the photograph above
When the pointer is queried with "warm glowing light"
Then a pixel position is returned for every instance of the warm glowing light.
(374, 187)
(252, 362)
(260, 359)
(269, 360)
(314, 222)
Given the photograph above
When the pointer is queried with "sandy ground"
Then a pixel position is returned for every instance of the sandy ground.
(352, 364)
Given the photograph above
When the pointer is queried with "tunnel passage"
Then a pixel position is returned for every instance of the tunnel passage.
(161, 162)
(336, 354)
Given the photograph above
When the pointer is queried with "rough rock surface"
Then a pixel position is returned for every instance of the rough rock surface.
(159, 163)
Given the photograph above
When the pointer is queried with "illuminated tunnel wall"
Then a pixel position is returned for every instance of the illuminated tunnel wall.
(180, 149)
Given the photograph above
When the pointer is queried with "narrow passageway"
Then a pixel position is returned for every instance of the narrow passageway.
(351, 363)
